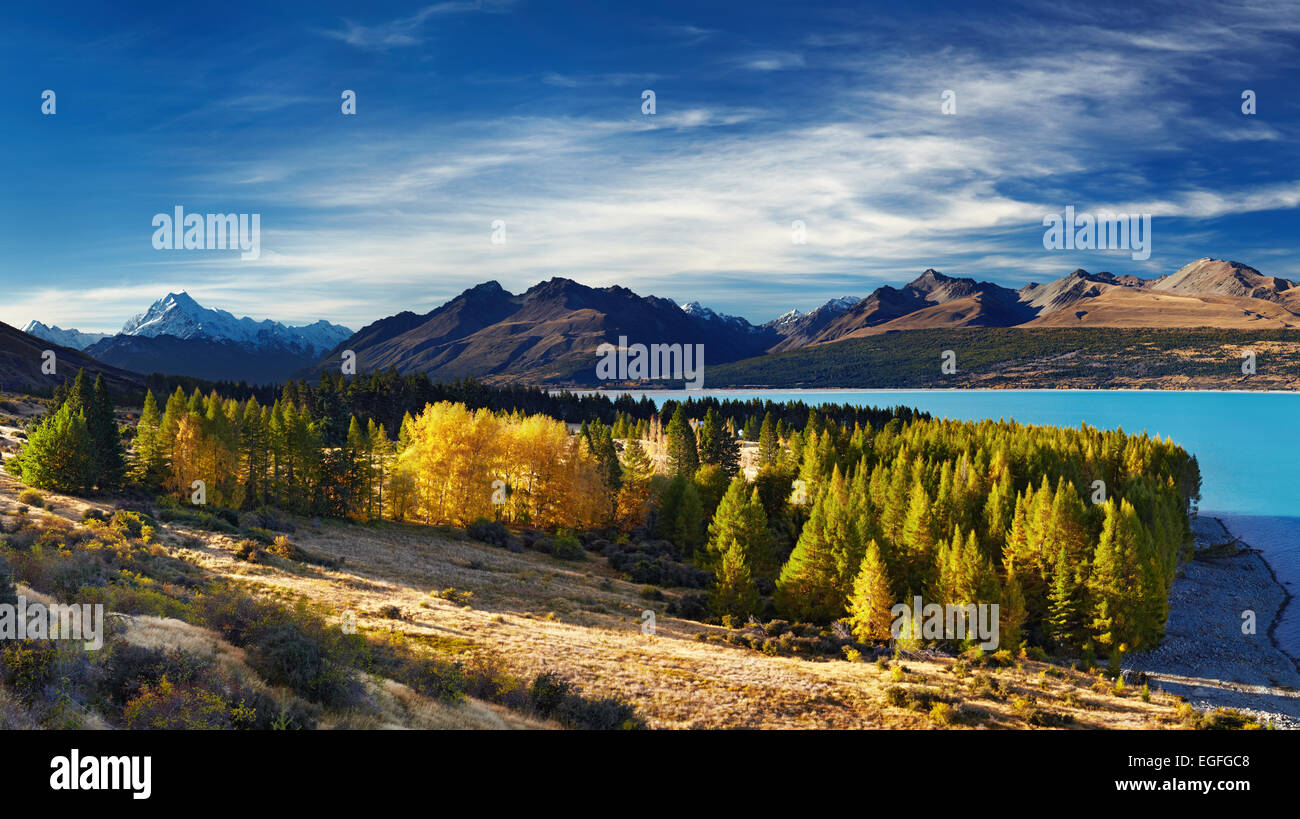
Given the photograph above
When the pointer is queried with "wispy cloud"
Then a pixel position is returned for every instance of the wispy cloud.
(409, 31)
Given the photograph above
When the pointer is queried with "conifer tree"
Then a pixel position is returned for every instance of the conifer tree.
(918, 542)
(688, 527)
(740, 521)
(1064, 626)
(1115, 576)
(734, 595)
(59, 453)
(634, 496)
(872, 598)
(809, 585)
(106, 439)
(769, 446)
(1011, 614)
(150, 465)
(683, 457)
(717, 445)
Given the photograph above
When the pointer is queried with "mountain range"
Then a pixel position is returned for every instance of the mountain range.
(23, 355)
(549, 333)
(179, 336)
(55, 334)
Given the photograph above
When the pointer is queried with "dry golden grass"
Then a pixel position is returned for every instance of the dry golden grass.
(532, 613)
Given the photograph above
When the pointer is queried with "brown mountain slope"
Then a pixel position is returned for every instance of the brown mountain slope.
(1132, 307)
(1217, 277)
(978, 310)
(21, 359)
(980, 304)
(549, 333)
(1069, 290)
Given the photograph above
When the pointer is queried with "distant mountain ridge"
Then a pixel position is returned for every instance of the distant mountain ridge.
(549, 333)
(23, 354)
(179, 336)
(55, 334)
(179, 315)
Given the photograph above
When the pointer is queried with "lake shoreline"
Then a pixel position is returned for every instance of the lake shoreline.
(1205, 656)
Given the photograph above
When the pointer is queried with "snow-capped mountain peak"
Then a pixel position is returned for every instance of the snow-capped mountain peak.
(841, 304)
(179, 315)
(699, 312)
(64, 338)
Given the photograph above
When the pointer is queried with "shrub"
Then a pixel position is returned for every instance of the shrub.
(263, 536)
(942, 714)
(129, 523)
(915, 698)
(434, 678)
(8, 590)
(249, 550)
(166, 706)
(31, 497)
(288, 654)
(460, 597)
(896, 696)
(281, 546)
(555, 698)
(27, 666)
(690, 607)
(488, 531)
(547, 692)
(775, 628)
(568, 547)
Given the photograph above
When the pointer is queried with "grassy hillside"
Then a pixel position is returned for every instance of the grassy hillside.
(1030, 358)
(450, 599)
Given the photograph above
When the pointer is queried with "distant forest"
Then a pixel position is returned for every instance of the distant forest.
(1016, 357)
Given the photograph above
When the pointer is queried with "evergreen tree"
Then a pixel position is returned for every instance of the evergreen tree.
(59, 453)
(688, 527)
(1011, 614)
(734, 595)
(809, 586)
(1065, 626)
(918, 542)
(740, 521)
(106, 439)
(872, 598)
(683, 457)
(717, 445)
(1115, 577)
(769, 445)
(150, 465)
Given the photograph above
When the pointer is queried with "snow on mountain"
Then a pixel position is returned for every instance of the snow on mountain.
(834, 307)
(75, 339)
(701, 313)
(179, 315)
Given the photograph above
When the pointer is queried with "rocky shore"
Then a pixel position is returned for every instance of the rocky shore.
(1206, 655)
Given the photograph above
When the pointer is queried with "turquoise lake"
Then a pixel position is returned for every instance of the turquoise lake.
(1245, 442)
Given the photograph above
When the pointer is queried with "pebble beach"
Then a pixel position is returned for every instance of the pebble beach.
(1207, 655)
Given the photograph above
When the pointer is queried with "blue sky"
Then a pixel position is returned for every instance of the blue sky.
(530, 112)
